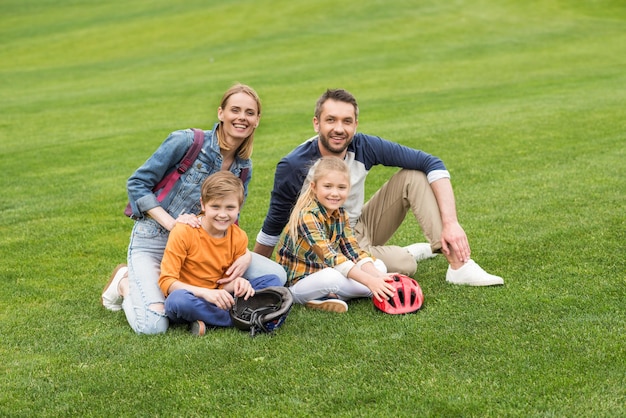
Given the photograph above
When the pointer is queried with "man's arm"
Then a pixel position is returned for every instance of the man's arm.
(289, 176)
(373, 150)
(283, 196)
(454, 243)
(264, 250)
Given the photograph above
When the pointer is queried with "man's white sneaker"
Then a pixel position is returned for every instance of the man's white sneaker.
(420, 251)
(472, 274)
(111, 298)
(328, 305)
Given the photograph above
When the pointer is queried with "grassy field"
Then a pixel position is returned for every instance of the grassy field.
(523, 100)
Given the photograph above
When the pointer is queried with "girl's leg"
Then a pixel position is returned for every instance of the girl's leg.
(261, 266)
(183, 306)
(324, 282)
(144, 302)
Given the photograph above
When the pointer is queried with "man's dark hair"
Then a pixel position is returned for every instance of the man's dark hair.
(338, 95)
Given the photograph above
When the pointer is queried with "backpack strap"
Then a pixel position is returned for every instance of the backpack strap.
(168, 181)
(193, 151)
(243, 175)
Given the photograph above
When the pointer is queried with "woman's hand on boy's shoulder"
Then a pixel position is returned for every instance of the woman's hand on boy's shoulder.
(189, 219)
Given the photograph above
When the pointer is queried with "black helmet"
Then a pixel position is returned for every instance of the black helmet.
(265, 311)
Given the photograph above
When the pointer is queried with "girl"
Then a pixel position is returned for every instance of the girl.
(228, 146)
(324, 264)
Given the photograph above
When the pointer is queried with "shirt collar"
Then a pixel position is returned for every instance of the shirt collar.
(335, 214)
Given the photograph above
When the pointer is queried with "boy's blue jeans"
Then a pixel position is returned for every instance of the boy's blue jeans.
(183, 307)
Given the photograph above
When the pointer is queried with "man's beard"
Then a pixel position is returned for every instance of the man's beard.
(335, 150)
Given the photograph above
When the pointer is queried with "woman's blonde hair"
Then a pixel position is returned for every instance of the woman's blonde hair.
(245, 149)
(322, 167)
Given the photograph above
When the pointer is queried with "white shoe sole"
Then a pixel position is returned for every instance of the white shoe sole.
(493, 282)
(328, 305)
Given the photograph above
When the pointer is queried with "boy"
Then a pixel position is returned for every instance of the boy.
(196, 258)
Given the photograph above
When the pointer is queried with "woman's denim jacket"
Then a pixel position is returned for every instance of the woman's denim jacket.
(184, 197)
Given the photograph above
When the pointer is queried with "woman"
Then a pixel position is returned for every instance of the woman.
(228, 146)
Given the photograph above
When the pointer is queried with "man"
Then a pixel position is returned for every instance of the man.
(422, 185)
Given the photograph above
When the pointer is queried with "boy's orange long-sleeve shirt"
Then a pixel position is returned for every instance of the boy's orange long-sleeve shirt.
(196, 258)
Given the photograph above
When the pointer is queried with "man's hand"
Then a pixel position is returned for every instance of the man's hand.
(454, 242)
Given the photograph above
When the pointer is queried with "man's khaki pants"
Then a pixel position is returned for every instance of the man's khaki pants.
(383, 214)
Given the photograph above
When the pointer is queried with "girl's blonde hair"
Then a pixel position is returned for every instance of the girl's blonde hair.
(245, 149)
(321, 168)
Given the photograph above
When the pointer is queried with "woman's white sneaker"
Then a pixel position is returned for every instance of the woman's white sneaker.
(111, 298)
(472, 274)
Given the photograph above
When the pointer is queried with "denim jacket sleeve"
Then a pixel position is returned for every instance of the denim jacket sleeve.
(185, 195)
(156, 167)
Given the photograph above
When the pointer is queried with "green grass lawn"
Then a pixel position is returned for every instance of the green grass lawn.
(523, 100)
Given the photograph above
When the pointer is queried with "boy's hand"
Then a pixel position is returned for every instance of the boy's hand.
(237, 269)
(243, 288)
(219, 297)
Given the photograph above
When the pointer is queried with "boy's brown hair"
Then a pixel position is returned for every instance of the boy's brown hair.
(221, 184)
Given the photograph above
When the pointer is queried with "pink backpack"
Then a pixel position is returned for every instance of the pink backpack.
(166, 184)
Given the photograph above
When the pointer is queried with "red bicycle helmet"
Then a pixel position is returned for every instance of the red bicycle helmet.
(407, 298)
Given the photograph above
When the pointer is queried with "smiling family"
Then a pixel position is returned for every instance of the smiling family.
(187, 256)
